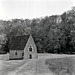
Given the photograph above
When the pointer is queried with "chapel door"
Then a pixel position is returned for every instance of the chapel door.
(30, 56)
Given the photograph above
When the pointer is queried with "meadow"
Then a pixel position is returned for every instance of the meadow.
(46, 64)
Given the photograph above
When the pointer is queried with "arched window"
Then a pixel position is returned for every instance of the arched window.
(22, 54)
(30, 48)
(16, 52)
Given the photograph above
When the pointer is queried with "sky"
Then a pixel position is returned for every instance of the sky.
(23, 9)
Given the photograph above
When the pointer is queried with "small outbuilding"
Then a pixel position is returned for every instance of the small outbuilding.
(23, 47)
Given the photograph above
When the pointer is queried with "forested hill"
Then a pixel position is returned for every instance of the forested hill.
(54, 33)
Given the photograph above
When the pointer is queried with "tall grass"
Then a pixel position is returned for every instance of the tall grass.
(61, 65)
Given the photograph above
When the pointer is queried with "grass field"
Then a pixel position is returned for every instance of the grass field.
(46, 64)
(61, 66)
(11, 65)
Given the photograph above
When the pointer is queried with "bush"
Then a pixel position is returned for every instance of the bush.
(2, 52)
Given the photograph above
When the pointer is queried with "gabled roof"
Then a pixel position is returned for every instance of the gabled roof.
(18, 42)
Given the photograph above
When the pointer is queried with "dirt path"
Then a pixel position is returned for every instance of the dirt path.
(29, 68)
(22, 69)
(8, 66)
(18, 69)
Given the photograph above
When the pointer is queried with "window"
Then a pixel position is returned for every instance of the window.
(16, 52)
(23, 54)
(30, 49)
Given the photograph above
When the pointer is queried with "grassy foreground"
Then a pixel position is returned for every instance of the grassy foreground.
(42, 66)
(61, 66)
(56, 66)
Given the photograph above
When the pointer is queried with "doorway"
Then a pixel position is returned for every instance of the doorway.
(30, 56)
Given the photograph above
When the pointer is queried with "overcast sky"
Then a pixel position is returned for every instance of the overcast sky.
(10, 9)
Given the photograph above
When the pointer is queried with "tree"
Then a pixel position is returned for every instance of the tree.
(3, 41)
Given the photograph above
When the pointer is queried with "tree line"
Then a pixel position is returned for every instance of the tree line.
(52, 34)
